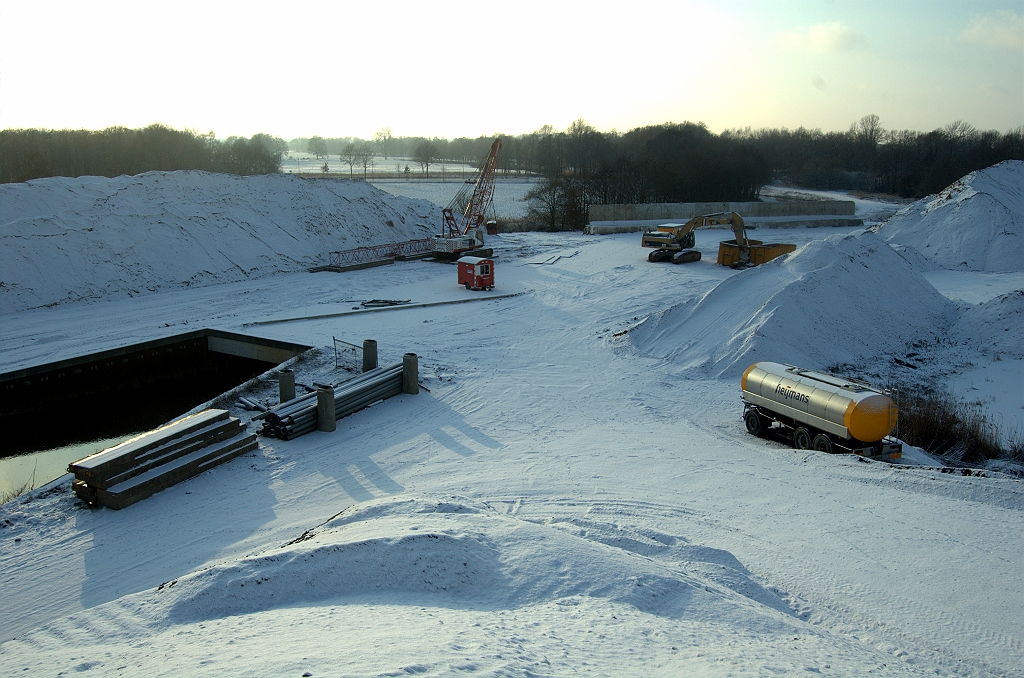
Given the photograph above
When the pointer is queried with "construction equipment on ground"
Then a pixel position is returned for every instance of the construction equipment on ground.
(821, 411)
(674, 242)
(465, 217)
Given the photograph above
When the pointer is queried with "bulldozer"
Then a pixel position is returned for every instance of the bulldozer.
(675, 242)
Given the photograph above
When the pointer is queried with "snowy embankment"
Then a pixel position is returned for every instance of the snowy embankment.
(575, 492)
(63, 240)
(847, 299)
(976, 223)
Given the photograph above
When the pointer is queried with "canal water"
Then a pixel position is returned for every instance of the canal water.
(28, 471)
(61, 412)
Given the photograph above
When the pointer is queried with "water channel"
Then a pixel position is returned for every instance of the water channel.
(60, 412)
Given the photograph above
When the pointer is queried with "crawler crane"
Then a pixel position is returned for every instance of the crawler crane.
(465, 216)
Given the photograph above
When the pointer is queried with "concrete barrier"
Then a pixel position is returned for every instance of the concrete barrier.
(688, 210)
(807, 221)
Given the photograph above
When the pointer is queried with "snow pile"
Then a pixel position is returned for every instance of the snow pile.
(468, 553)
(845, 299)
(995, 327)
(976, 223)
(374, 573)
(68, 239)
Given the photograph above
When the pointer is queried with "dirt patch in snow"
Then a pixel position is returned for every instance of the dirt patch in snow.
(64, 240)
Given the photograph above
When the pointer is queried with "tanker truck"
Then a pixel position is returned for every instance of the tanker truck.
(819, 411)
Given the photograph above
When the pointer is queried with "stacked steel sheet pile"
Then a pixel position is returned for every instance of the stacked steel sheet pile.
(133, 470)
(297, 416)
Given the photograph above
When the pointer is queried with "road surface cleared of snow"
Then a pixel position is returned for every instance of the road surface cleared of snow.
(567, 496)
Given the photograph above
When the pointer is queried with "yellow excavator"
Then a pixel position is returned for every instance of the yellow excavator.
(674, 242)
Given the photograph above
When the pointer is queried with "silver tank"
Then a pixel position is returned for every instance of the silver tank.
(845, 408)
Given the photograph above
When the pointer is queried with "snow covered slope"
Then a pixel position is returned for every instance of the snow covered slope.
(68, 239)
(573, 491)
(557, 502)
(845, 299)
(976, 223)
(995, 327)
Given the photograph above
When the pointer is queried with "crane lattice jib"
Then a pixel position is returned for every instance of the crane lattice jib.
(483, 194)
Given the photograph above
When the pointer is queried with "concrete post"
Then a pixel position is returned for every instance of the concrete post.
(286, 385)
(369, 354)
(410, 374)
(325, 420)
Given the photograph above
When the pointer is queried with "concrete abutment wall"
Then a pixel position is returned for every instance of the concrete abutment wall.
(688, 210)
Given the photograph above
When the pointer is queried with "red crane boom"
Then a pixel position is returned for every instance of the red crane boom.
(475, 212)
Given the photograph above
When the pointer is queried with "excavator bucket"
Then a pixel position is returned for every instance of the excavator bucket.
(729, 252)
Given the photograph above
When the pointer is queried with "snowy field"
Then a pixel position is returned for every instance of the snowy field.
(509, 194)
(574, 494)
(444, 181)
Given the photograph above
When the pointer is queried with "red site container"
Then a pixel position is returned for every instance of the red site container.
(476, 273)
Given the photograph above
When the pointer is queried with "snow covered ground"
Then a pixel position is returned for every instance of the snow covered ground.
(574, 493)
(65, 240)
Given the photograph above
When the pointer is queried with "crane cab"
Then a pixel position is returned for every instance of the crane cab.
(476, 273)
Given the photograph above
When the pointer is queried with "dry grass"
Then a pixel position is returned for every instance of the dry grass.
(951, 428)
(29, 485)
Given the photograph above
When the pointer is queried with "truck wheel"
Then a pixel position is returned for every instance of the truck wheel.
(802, 439)
(468, 287)
(756, 424)
(822, 443)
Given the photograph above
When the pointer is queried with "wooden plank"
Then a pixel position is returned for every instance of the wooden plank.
(183, 468)
(123, 455)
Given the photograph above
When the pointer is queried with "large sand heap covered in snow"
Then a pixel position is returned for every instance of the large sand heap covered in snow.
(994, 327)
(976, 223)
(845, 299)
(68, 239)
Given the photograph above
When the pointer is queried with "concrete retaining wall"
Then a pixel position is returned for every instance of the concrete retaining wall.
(807, 221)
(688, 210)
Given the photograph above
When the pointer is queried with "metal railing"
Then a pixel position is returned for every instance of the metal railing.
(361, 255)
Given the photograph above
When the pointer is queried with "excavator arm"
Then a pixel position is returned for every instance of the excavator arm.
(740, 231)
(672, 239)
(674, 242)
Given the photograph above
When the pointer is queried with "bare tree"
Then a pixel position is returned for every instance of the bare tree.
(582, 141)
(350, 155)
(868, 130)
(317, 146)
(425, 153)
(384, 141)
(364, 156)
(545, 201)
(960, 130)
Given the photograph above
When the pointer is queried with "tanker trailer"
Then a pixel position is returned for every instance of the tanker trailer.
(819, 411)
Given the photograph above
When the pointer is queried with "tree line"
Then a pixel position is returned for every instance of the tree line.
(685, 162)
(35, 153)
(579, 166)
(871, 158)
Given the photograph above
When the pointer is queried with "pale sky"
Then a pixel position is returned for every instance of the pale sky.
(449, 69)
